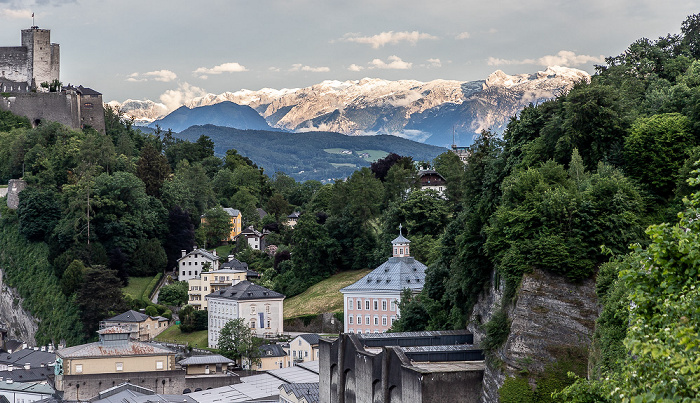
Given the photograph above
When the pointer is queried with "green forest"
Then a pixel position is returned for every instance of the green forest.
(601, 182)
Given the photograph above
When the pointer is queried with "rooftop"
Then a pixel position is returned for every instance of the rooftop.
(311, 338)
(206, 360)
(99, 349)
(245, 290)
(128, 316)
(305, 390)
(396, 274)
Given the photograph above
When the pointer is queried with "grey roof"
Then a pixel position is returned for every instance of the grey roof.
(28, 375)
(245, 290)
(13, 345)
(206, 360)
(262, 213)
(294, 374)
(28, 355)
(202, 252)
(295, 214)
(28, 387)
(309, 391)
(234, 264)
(251, 231)
(232, 211)
(251, 388)
(271, 350)
(400, 239)
(311, 338)
(312, 366)
(128, 316)
(395, 274)
(99, 349)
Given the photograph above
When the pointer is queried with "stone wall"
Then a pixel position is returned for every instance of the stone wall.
(36, 106)
(20, 324)
(14, 63)
(550, 315)
(323, 323)
(84, 387)
(14, 187)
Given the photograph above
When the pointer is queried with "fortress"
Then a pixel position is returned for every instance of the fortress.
(23, 70)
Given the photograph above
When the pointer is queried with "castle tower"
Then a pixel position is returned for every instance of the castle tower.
(43, 56)
(401, 245)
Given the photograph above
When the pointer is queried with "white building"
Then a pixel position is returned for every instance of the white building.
(190, 265)
(25, 392)
(371, 304)
(262, 310)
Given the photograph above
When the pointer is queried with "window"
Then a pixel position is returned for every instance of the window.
(159, 364)
(367, 320)
(252, 324)
(183, 263)
(252, 309)
(376, 304)
(78, 368)
(300, 342)
(376, 320)
(195, 272)
(393, 305)
(294, 353)
(359, 302)
(306, 353)
(267, 308)
(189, 263)
(205, 279)
(195, 263)
(120, 366)
(268, 323)
(183, 272)
(190, 272)
(383, 320)
(384, 305)
(350, 319)
(350, 305)
(393, 319)
(367, 304)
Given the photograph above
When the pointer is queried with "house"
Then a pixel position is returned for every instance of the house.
(141, 326)
(25, 392)
(426, 367)
(371, 304)
(304, 348)
(272, 356)
(261, 309)
(299, 393)
(462, 152)
(191, 264)
(228, 273)
(432, 180)
(27, 364)
(292, 219)
(209, 364)
(84, 370)
(236, 220)
(254, 238)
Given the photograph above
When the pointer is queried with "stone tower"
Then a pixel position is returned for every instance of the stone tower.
(43, 56)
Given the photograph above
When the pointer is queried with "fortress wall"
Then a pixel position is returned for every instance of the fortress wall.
(55, 60)
(14, 63)
(92, 112)
(54, 107)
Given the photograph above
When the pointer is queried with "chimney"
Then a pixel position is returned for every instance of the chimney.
(43, 348)
(214, 251)
(184, 252)
(24, 345)
(27, 365)
(9, 381)
(10, 367)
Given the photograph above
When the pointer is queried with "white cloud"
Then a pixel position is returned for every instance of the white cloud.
(434, 63)
(384, 38)
(274, 69)
(202, 72)
(300, 67)
(174, 99)
(562, 58)
(395, 63)
(463, 35)
(11, 14)
(354, 67)
(158, 75)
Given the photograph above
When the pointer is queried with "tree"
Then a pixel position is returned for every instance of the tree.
(152, 168)
(38, 213)
(174, 294)
(148, 259)
(180, 236)
(99, 298)
(216, 226)
(278, 206)
(236, 340)
(73, 278)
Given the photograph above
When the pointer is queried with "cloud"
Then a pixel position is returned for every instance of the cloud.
(203, 72)
(463, 35)
(354, 67)
(384, 38)
(174, 99)
(274, 69)
(10, 14)
(164, 76)
(434, 63)
(395, 63)
(300, 67)
(562, 58)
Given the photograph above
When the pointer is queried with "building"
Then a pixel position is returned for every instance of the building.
(299, 393)
(236, 219)
(262, 310)
(191, 264)
(25, 364)
(304, 348)
(413, 367)
(141, 326)
(462, 152)
(292, 219)
(25, 392)
(432, 180)
(254, 238)
(82, 371)
(23, 70)
(371, 304)
(272, 356)
(228, 274)
(209, 364)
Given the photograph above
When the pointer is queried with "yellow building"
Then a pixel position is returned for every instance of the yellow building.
(211, 281)
(236, 219)
(304, 348)
(272, 356)
(141, 326)
(210, 364)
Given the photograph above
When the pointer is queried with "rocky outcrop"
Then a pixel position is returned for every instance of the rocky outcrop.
(20, 324)
(550, 315)
(14, 187)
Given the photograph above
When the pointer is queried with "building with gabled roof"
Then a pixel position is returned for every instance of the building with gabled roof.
(205, 364)
(261, 309)
(142, 327)
(299, 392)
(371, 303)
(191, 264)
(304, 348)
(272, 356)
(432, 180)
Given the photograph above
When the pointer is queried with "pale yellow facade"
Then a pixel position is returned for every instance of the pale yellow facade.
(211, 281)
(142, 331)
(270, 363)
(301, 351)
(118, 364)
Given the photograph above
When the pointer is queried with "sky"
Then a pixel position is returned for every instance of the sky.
(173, 50)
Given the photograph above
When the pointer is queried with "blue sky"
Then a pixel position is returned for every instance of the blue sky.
(178, 49)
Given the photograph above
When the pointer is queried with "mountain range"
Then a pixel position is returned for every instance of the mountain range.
(436, 112)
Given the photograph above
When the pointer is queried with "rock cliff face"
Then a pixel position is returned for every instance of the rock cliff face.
(549, 316)
(21, 325)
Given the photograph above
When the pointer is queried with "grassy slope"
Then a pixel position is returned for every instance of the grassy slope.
(174, 335)
(136, 286)
(322, 297)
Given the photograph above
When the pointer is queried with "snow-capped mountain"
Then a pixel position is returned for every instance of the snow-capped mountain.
(423, 111)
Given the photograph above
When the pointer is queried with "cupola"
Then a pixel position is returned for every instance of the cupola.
(401, 245)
